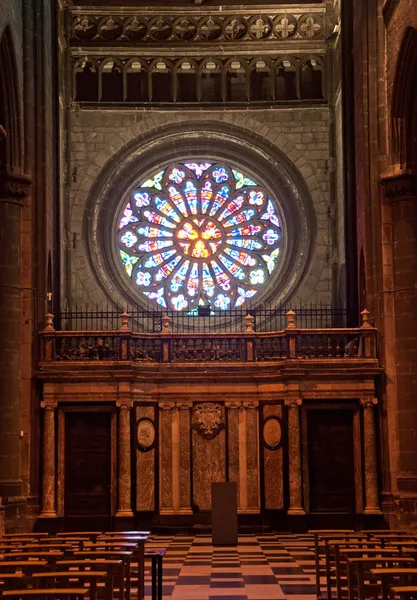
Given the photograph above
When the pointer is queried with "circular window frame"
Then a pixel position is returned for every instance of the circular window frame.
(269, 167)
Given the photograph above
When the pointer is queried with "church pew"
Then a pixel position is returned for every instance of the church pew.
(23, 535)
(140, 540)
(10, 581)
(320, 536)
(359, 566)
(114, 569)
(334, 564)
(124, 556)
(67, 578)
(25, 566)
(156, 557)
(401, 592)
(388, 575)
(53, 593)
(50, 556)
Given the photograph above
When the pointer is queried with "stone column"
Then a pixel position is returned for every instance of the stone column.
(294, 457)
(252, 456)
(48, 508)
(166, 498)
(233, 414)
(124, 507)
(13, 191)
(371, 466)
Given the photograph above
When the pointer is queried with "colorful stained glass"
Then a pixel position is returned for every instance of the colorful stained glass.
(199, 234)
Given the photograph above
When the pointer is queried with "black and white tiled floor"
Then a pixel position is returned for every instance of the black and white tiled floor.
(260, 567)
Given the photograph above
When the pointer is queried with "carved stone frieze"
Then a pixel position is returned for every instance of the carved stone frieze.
(90, 28)
(166, 405)
(208, 419)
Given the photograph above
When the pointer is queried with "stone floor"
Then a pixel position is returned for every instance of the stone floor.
(260, 567)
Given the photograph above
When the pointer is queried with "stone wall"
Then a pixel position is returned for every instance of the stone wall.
(302, 134)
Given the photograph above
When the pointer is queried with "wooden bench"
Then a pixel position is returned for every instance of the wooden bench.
(114, 568)
(64, 578)
(357, 568)
(25, 566)
(334, 562)
(140, 555)
(156, 557)
(386, 576)
(54, 593)
(124, 556)
(10, 581)
(405, 592)
(50, 557)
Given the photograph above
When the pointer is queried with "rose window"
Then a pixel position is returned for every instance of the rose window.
(199, 234)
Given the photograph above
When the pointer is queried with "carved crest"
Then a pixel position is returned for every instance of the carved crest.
(208, 419)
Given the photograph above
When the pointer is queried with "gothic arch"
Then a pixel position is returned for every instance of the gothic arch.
(10, 147)
(404, 104)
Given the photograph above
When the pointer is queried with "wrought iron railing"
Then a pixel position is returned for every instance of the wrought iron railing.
(167, 346)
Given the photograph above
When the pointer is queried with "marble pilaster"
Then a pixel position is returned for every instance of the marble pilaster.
(370, 458)
(294, 457)
(166, 500)
(124, 473)
(145, 467)
(273, 465)
(252, 454)
(48, 507)
(233, 410)
(184, 419)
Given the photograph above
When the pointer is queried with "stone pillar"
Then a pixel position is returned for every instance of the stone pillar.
(371, 466)
(124, 506)
(233, 417)
(252, 456)
(48, 508)
(294, 457)
(13, 191)
(166, 499)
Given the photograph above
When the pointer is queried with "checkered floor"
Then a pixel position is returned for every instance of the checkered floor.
(260, 567)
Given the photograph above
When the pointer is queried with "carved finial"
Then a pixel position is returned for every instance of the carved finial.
(365, 319)
(125, 321)
(291, 319)
(250, 320)
(49, 322)
(165, 324)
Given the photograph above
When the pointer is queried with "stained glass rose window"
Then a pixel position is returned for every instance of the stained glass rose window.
(199, 234)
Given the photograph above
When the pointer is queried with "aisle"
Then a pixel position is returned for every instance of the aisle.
(261, 567)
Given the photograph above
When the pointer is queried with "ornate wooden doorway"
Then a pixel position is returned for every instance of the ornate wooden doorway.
(88, 462)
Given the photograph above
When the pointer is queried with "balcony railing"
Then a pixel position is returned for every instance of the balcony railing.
(166, 346)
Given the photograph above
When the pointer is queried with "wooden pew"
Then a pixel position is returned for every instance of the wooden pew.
(10, 581)
(358, 566)
(403, 592)
(57, 579)
(156, 557)
(51, 557)
(334, 562)
(114, 568)
(140, 555)
(387, 577)
(124, 556)
(54, 593)
(25, 566)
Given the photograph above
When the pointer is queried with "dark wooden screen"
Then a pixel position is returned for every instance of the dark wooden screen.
(87, 463)
(331, 460)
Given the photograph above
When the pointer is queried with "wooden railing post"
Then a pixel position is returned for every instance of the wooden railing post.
(48, 349)
(250, 354)
(166, 340)
(124, 348)
(292, 350)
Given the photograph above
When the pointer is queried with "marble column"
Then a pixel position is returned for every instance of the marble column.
(48, 508)
(124, 507)
(233, 410)
(13, 191)
(184, 463)
(294, 457)
(252, 456)
(371, 465)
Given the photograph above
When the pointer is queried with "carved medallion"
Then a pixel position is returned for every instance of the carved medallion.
(272, 433)
(208, 419)
(145, 434)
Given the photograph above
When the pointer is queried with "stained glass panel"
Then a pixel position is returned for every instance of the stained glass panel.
(199, 233)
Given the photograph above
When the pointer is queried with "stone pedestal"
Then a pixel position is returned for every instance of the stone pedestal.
(13, 190)
(294, 457)
(124, 506)
(371, 466)
(48, 506)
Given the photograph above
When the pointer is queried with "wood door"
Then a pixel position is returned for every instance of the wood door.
(87, 463)
(331, 466)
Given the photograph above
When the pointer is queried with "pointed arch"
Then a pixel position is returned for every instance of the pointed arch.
(11, 145)
(404, 102)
